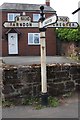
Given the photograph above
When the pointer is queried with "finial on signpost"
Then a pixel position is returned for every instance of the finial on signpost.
(42, 13)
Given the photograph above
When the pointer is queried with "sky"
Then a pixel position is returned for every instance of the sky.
(62, 7)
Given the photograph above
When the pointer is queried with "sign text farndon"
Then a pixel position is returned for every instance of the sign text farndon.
(20, 21)
(15, 24)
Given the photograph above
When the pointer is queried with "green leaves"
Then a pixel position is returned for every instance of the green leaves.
(53, 102)
(68, 34)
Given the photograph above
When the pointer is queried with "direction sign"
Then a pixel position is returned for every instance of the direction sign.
(63, 18)
(20, 21)
(50, 20)
(64, 25)
(20, 25)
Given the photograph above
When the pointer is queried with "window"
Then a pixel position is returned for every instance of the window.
(33, 38)
(11, 16)
(36, 17)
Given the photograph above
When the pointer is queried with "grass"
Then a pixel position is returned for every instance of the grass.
(35, 102)
(53, 102)
(7, 103)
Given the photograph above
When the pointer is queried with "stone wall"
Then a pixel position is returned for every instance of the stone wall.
(25, 81)
(67, 48)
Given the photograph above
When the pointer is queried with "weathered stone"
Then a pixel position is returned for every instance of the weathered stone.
(50, 75)
(56, 89)
(78, 69)
(61, 74)
(57, 67)
(73, 70)
(63, 79)
(75, 76)
(10, 74)
(66, 66)
(78, 81)
(11, 81)
(18, 86)
(50, 80)
(78, 87)
(26, 91)
(69, 85)
(8, 89)
(24, 81)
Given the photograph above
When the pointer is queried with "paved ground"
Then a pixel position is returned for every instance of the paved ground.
(69, 109)
(35, 60)
(0, 112)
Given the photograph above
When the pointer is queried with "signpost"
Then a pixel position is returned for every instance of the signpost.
(43, 23)
(20, 21)
(52, 21)
(64, 25)
(63, 19)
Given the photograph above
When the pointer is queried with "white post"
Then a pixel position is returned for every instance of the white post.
(43, 62)
(44, 95)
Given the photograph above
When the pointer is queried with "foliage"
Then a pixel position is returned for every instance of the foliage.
(31, 101)
(35, 102)
(53, 102)
(68, 34)
(7, 103)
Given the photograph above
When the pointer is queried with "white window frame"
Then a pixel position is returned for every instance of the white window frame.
(34, 17)
(33, 39)
(13, 15)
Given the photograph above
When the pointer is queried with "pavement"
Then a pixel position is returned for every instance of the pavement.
(68, 109)
(28, 60)
(0, 112)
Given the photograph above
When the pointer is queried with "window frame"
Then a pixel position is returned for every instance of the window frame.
(33, 43)
(36, 20)
(13, 15)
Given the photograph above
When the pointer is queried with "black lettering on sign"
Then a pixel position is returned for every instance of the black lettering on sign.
(17, 24)
(72, 24)
(50, 20)
(20, 24)
(13, 24)
(24, 18)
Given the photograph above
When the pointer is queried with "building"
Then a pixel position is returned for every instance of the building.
(78, 10)
(20, 34)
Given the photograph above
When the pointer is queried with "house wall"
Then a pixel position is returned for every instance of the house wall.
(23, 47)
(79, 12)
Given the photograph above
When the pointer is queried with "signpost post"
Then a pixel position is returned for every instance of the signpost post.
(43, 59)
(42, 28)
